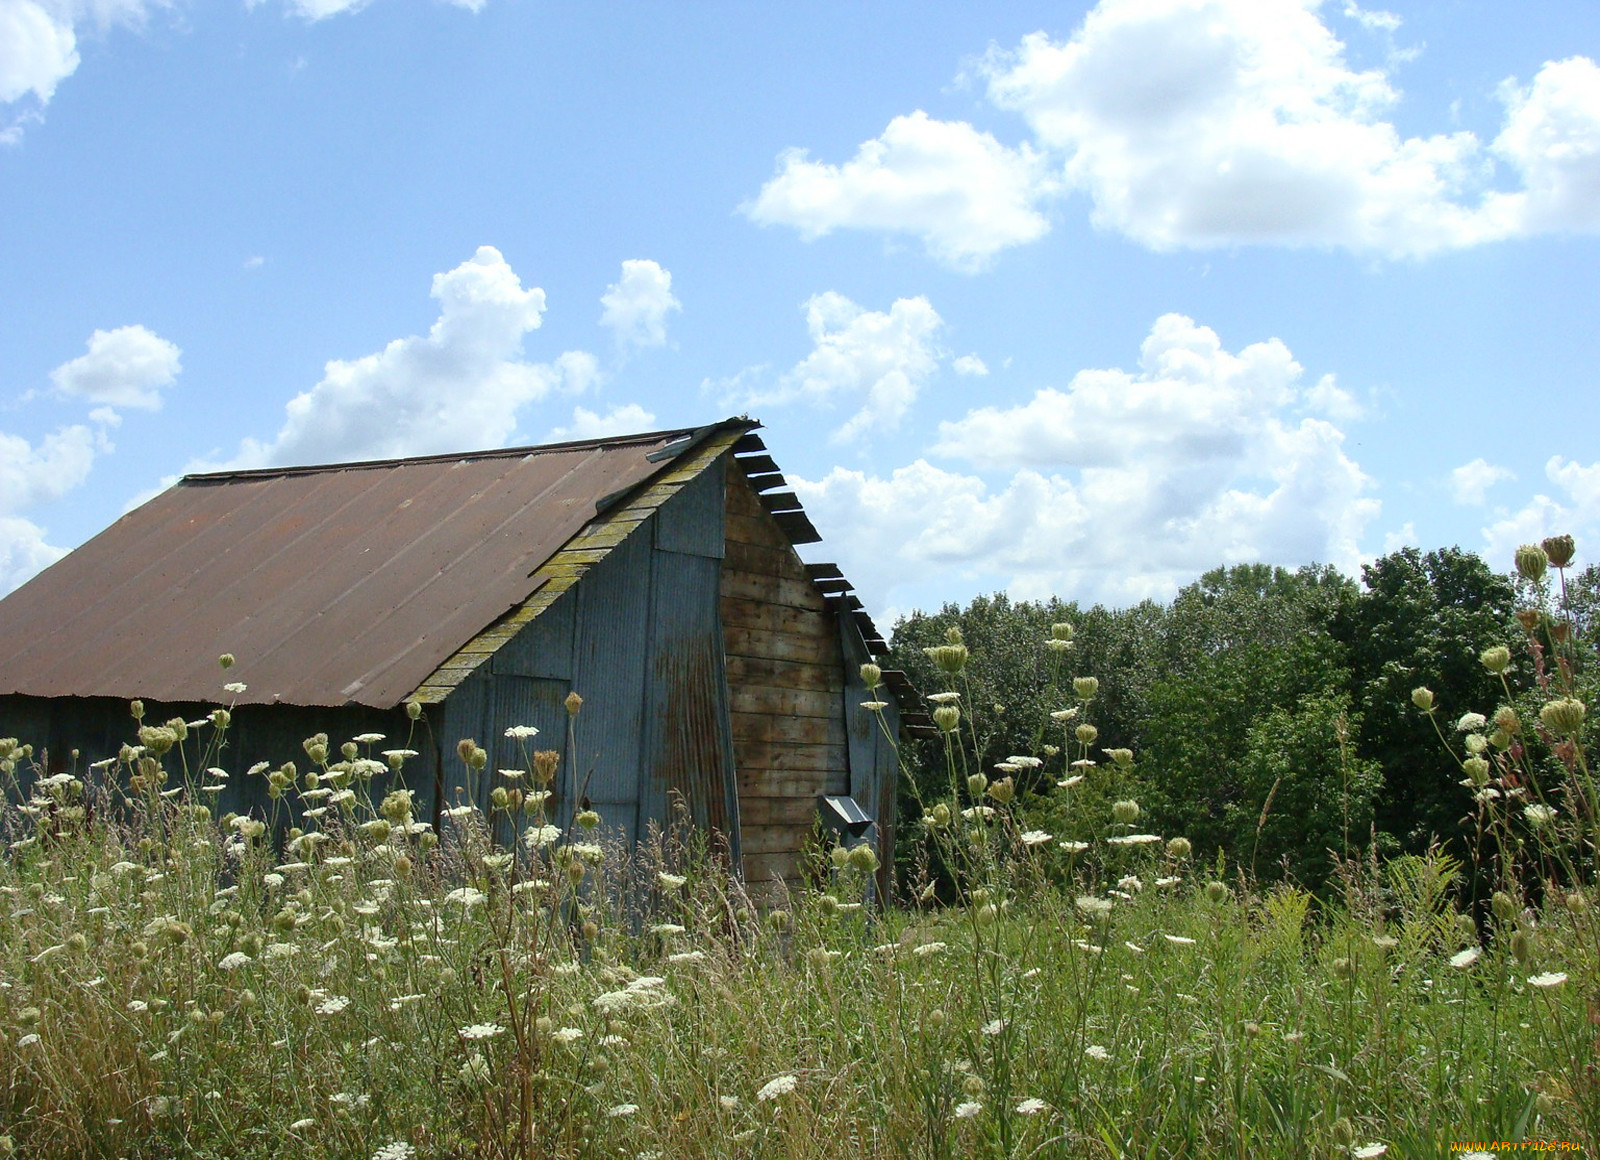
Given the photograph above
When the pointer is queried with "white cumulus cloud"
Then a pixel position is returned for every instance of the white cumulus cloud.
(877, 360)
(459, 387)
(1124, 484)
(39, 48)
(1199, 123)
(1572, 507)
(29, 476)
(625, 419)
(1470, 481)
(125, 367)
(960, 190)
(637, 304)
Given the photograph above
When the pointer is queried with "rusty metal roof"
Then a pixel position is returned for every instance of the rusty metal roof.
(347, 583)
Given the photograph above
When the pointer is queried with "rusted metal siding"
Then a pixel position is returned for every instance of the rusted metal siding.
(331, 585)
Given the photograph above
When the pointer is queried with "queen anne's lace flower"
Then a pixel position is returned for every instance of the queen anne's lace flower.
(780, 1086)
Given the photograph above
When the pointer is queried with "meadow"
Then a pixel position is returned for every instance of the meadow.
(359, 985)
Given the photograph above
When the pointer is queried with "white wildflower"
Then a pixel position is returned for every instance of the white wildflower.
(622, 1110)
(666, 928)
(234, 961)
(522, 732)
(1135, 840)
(535, 837)
(1037, 838)
(1031, 1106)
(687, 957)
(567, 1035)
(482, 1031)
(994, 1027)
(968, 1109)
(332, 1005)
(1179, 939)
(1464, 959)
(1095, 1051)
(1369, 1151)
(671, 881)
(399, 1150)
(302, 1125)
(773, 1088)
(928, 948)
(1554, 979)
(467, 896)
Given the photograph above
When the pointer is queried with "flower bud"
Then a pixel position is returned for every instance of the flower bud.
(1563, 715)
(545, 764)
(1466, 928)
(499, 798)
(1503, 906)
(1495, 659)
(1343, 1132)
(1003, 790)
(1477, 770)
(1521, 947)
(937, 1017)
(941, 814)
(976, 784)
(465, 748)
(1123, 757)
(1216, 891)
(871, 675)
(1344, 969)
(1179, 849)
(1062, 631)
(1559, 549)
(864, 858)
(588, 819)
(951, 658)
(778, 920)
(1085, 687)
(1422, 698)
(839, 855)
(1576, 903)
(1126, 811)
(947, 717)
(1086, 733)
(413, 710)
(1531, 562)
(136, 708)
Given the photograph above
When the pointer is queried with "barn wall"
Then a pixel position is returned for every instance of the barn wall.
(786, 687)
(98, 727)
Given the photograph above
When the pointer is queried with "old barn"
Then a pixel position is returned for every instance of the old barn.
(656, 575)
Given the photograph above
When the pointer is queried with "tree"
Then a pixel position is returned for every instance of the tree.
(1421, 620)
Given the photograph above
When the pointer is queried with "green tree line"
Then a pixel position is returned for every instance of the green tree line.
(1269, 711)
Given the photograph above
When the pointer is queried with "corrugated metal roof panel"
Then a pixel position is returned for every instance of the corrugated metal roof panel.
(336, 584)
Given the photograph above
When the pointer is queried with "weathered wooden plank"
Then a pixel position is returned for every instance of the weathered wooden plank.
(788, 813)
(803, 785)
(785, 839)
(754, 527)
(774, 759)
(796, 730)
(743, 613)
(783, 702)
(765, 559)
(784, 674)
(775, 589)
(781, 646)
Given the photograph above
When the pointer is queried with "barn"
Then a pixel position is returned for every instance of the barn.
(655, 575)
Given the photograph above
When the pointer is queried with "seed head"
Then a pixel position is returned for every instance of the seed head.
(947, 717)
(1061, 631)
(976, 784)
(1003, 790)
(1563, 715)
(1521, 947)
(1085, 687)
(941, 814)
(1531, 562)
(1422, 698)
(545, 764)
(573, 704)
(1576, 902)
(871, 675)
(1477, 771)
(1126, 811)
(1559, 550)
(1179, 849)
(1216, 891)
(1086, 733)
(413, 710)
(1123, 757)
(1495, 659)
(951, 658)
(588, 819)
(864, 858)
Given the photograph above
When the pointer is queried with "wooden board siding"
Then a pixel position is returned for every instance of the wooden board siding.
(785, 685)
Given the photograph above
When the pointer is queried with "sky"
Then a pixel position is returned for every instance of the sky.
(1056, 299)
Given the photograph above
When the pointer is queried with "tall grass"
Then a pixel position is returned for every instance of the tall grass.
(173, 984)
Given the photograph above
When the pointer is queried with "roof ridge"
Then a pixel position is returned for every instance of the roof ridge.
(667, 435)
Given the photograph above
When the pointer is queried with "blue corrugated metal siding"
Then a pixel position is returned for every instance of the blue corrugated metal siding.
(874, 763)
(536, 701)
(544, 648)
(613, 602)
(691, 522)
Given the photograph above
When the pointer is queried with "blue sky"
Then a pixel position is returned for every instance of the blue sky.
(1060, 299)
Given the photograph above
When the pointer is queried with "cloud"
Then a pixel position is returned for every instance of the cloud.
(125, 367)
(1470, 481)
(461, 386)
(1204, 123)
(637, 305)
(624, 419)
(39, 48)
(1123, 485)
(33, 475)
(969, 364)
(881, 359)
(1573, 509)
(963, 193)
